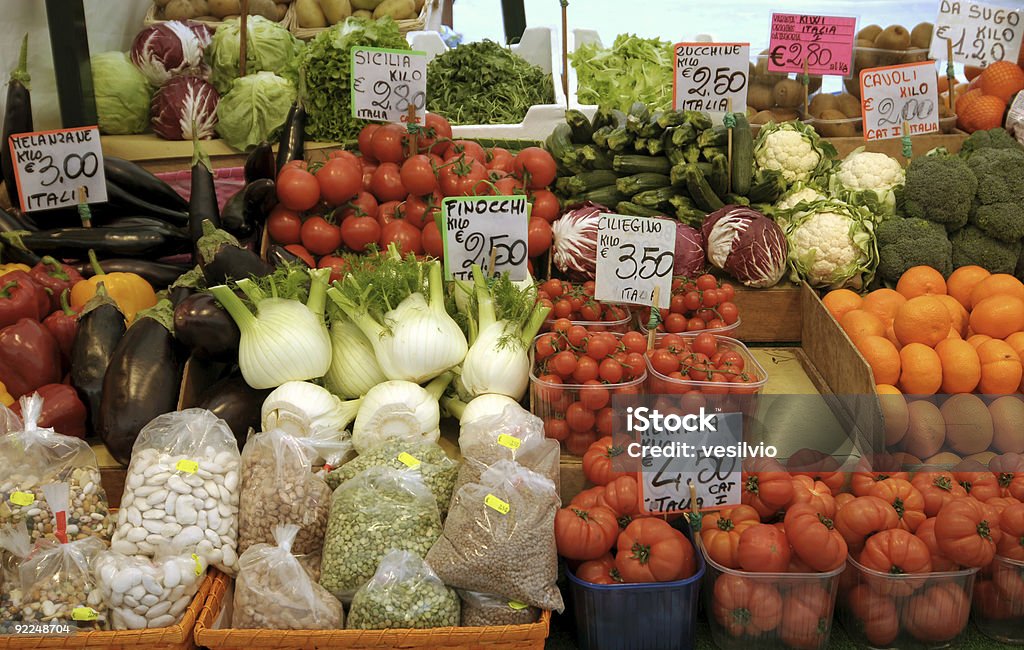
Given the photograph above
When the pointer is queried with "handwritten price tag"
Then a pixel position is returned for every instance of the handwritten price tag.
(386, 82)
(51, 166)
(708, 75)
(635, 255)
(981, 33)
(474, 226)
(824, 42)
(896, 94)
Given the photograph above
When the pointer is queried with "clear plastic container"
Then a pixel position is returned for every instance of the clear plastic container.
(620, 326)
(998, 606)
(911, 611)
(658, 383)
(642, 326)
(850, 127)
(769, 610)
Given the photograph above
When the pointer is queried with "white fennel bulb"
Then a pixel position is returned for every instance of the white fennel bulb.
(489, 405)
(354, 368)
(399, 409)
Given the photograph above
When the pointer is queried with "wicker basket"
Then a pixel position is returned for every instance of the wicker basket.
(287, 22)
(509, 637)
(175, 637)
(404, 26)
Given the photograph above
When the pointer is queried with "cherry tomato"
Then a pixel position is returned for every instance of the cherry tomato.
(320, 237)
(359, 232)
(726, 292)
(593, 396)
(577, 336)
(404, 235)
(706, 281)
(556, 428)
(590, 311)
(710, 298)
(434, 135)
(363, 205)
(634, 365)
(678, 303)
(729, 312)
(337, 265)
(705, 343)
(589, 287)
(691, 301)
(340, 180)
(610, 371)
(561, 325)
(563, 363)
(732, 359)
(499, 159)
(605, 419)
(545, 206)
(579, 417)
(388, 143)
(561, 309)
(544, 346)
(579, 442)
(300, 251)
(386, 183)
(586, 370)
(468, 148)
(433, 245)
(460, 177)
(536, 167)
(418, 175)
(696, 325)
(285, 225)
(675, 323)
(634, 342)
(663, 361)
(716, 323)
(366, 140)
(598, 348)
(553, 287)
(389, 211)
(297, 190)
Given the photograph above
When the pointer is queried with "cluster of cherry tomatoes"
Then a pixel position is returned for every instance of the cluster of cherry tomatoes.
(391, 194)
(677, 362)
(702, 303)
(576, 302)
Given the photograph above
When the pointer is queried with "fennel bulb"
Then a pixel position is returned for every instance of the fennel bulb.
(285, 340)
(483, 406)
(305, 410)
(399, 409)
(354, 368)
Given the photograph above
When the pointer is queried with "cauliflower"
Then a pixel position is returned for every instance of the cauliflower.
(868, 179)
(794, 149)
(832, 244)
(799, 193)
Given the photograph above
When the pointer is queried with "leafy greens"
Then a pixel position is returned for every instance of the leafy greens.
(634, 69)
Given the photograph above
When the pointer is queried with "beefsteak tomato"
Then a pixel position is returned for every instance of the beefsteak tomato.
(585, 534)
(1011, 523)
(896, 552)
(805, 617)
(967, 532)
(767, 487)
(876, 613)
(601, 571)
(814, 538)
(597, 461)
(904, 498)
(651, 550)
(814, 493)
(862, 518)
(926, 533)
(745, 606)
(720, 533)
(937, 614)
(763, 548)
(937, 489)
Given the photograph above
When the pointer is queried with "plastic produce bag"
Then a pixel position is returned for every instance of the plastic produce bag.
(378, 510)
(182, 487)
(515, 435)
(500, 537)
(438, 470)
(274, 591)
(404, 593)
(279, 487)
(14, 548)
(490, 610)
(32, 457)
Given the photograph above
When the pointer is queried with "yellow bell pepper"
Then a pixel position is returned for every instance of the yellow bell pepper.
(7, 268)
(131, 292)
(5, 396)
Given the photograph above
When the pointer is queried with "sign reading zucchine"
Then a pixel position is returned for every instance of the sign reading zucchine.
(635, 255)
(479, 229)
(709, 75)
(385, 83)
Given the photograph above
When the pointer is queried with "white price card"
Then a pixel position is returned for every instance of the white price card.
(386, 82)
(896, 94)
(635, 255)
(479, 229)
(709, 75)
(981, 33)
(51, 167)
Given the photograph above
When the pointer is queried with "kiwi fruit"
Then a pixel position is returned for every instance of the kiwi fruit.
(760, 96)
(848, 105)
(788, 93)
(921, 36)
(823, 102)
(833, 124)
(761, 73)
(761, 117)
(852, 86)
(864, 55)
(893, 38)
(784, 114)
(869, 33)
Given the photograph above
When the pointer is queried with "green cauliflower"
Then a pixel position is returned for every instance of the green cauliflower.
(1002, 221)
(940, 189)
(997, 138)
(1000, 174)
(905, 243)
(971, 246)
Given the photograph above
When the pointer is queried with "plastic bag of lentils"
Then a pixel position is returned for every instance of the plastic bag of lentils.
(516, 435)
(34, 457)
(404, 593)
(378, 510)
(491, 610)
(15, 546)
(499, 537)
(279, 487)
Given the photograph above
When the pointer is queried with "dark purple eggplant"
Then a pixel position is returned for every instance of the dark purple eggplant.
(292, 144)
(202, 202)
(142, 380)
(205, 328)
(260, 163)
(249, 208)
(100, 327)
(137, 181)
(237, 403)
(122, 202)
(280, 256)
(222, 258)
(157, 274)
(73, 243)
(17, 119)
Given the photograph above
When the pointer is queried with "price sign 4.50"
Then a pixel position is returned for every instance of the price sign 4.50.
(708, 76)
(489, 231)
(52, 167)
(898, 95)
(635, 256)
(386, 83)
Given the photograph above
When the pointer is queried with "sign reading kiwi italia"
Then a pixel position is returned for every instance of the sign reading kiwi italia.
(981, 33)
(818, 45)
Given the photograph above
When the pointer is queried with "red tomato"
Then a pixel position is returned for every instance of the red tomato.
(499, 159)
(366, 141)
(420, 210)
(405, 236)
(538, 165)
(432, 243)
(320, 237)
(300, 251)
(460, 177)
(705, 343)
(285, 225)
(545, 205)
(538, 236)
(763, 548)
(508, 186)
(579, 417)
(346, 155)
(363, 205)
(435, 134)
(294, 164)
(586, 370)
(340, 180)
(556, 428)
(360, 232)
(388, 212)
(388, 143)
(418, 175)
(337, 265)
(386, 183)
(468, 148)
(297, 190)
(368, 169)
(728, 311)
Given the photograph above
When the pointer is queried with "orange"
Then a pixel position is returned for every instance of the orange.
(894, 413)
(920, 370)
(994, 284)
(942, 83)
(977, 339)
(840, 301)
(1001, 369)
(921, 281)
(961, 368)
(923, 319)
(1002, 79)
(972, 72)
(857, 323)
(883, 303)
(882, 356)
(998, 316)
(962, 282)
(983, 113)
(957, 313)
(891, 335)
(965, 99)
(1016, 341)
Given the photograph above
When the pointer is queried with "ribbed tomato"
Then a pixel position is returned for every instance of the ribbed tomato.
(720, 533)
(597, 461)
(805, 617)
(815, 493)
(904, 498)
(1011, 523)
(651, 550)
(814, 538)
(763, 548)
(967, 532)
(767, 487)
(588, 498)
(937, 489)
(862, 518)
(979, 483)
(745, 607)
(819, 466)
(926, 533)
(601, 571)
(897, 552)
(622, 496)
(939, 613)
(585, 534)
(876, 613)
(861, 482)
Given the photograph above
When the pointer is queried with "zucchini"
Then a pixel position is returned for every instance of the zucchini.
(630, 185)
(719, 176)
(700, 191)
(658, 198)
(640, 146)
(736, 199)
(709, 153)
(634, 210)
(586, 181)
(620, 118)
(675, 154)
(767, 186)
(593, 157)
(619, 139)
(559, 144)
(635, 164)
(600, 136)
(716, 136)
(653, 128)
(678, 174)
(637, 117)
(691, 152)
(742, 155)
(603, 117)
(687, 212)
(670, 119)
(684, 134)
(581, 129)
(700, 121)
(655, 146)
(607, 196)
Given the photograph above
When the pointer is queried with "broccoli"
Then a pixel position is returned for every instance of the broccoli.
(1000, 174)
(1002, 221)
(997, 138)
(939, 189)
(904, 243)
(972, 246)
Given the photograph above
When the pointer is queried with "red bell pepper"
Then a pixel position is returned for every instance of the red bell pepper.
(62, 410)
(21, 297)
(54, 277)
(29, 357)
(63, 324)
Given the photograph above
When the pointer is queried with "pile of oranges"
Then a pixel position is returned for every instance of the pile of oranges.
(961, 336)
(990, 91)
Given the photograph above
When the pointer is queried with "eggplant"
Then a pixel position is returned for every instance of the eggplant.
(100, 327)
(73, 243)
(205, 328)
(12, 221)
(137, 181)
(202, 202)
(248, 208)
(17, 119)
(122, 202)
(292, 144)
(222, 258)
(157, 274)
(260, 163)
(237, 403)
(147, 223)
(142, 380)
(281, 256)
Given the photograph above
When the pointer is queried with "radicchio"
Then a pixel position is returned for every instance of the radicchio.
(746, 244)
(170, 49)
(181, 104)
(690, 260)
(574, 241)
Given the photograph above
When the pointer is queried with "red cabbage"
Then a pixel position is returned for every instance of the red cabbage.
(746, 244)
(170, 49)
(690, 260)
(181, 103)
(574, 241)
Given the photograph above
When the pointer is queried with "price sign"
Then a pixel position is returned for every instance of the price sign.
(477, 229)
(709, 75)
(981, 33)
(896, 94)
(635, 255)
(386, 82)
(51, 166)
(824, 42)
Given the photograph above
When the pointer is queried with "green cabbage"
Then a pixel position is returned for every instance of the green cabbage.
(254, 109)
(271, 47)
(122, 94)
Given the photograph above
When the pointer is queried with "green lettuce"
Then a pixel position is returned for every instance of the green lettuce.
(254, 109)
(634, 69)
(270, 47)
(122, 94)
